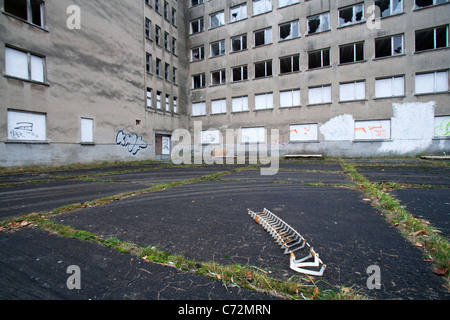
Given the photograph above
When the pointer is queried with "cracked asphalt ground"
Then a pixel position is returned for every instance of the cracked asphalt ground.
(206, 220)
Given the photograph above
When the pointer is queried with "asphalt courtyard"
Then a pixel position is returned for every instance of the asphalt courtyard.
(199, 212)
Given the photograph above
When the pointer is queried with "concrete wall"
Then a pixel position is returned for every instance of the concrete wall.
(98, 72)
(95, 72)
(410, 133)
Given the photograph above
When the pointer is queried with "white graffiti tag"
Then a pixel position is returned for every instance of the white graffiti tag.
(133, 142)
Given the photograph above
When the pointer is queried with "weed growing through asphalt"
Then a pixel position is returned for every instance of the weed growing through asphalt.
(417, 231)
(231, 275)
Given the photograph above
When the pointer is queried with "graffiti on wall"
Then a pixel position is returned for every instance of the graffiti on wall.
(306, 132)
(26, 126)
(442, 126)
(133, 142)
(372, 130)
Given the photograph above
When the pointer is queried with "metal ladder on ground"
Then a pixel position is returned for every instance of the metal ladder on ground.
(291, 241)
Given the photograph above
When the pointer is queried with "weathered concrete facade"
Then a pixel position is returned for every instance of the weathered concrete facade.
(91, 102)
(112, 80)
(368, 124)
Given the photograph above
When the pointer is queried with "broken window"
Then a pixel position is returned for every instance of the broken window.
(24, 65)
(264, 101)
(426, 3)
(239, 104)
(158, 35)
(196, 2)
(174, 75)
(352, 91)
(240, 73)
(318, 95)
(174, 17)
(263, 69)
(158, 67)
(167, 102)
(290, 64)
(389, 46)
(289, 30)
(175, 105)
(351, 53)
(351, 15)
(319, 23)
(167, 72)
(216, 20)
(149, 98)
(390, 87)
(238, 13)
(29, 10)
(218, 77)
(148, 26)
(261, 6)
(263, 37)
(432, 82)
(158, 99)
(197, 54)
(198, 81)
(166, 41)
(148, 62)
(319, 58)
(239, 43)
(389, 7)
(197, 26)
(174, 46)
(432, 38)
(218, 48)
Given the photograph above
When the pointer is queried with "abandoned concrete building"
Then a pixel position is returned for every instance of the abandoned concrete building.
(91, 81)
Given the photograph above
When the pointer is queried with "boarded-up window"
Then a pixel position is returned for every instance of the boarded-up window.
(432, 82)
(390, 87)
(352, 91)
(26, 126)
(87, 130)
(199, 109)
(253, 135)
(219, 106)
(290, 98)
(240, 104)
(373, 130)
(303, 132)
(319, 95)
(264, 101)
(24, 65)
